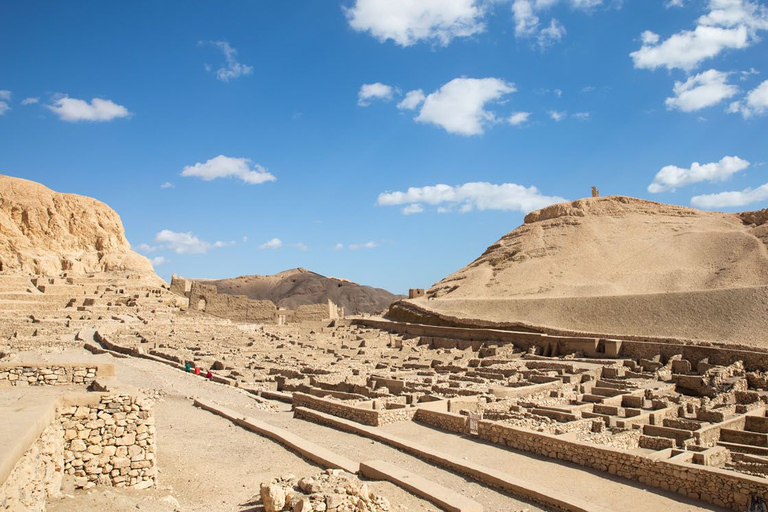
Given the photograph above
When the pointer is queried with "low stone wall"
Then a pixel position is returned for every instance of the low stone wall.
(442, 420)
(111, 442)
(48, 375)
(373, 417)
(720, 487)
(36, 477)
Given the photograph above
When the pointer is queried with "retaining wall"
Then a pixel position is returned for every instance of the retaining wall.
(51, 374)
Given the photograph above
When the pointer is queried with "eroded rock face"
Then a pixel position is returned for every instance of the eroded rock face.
(44, 232)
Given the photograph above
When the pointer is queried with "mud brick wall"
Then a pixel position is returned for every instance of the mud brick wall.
(110, 443)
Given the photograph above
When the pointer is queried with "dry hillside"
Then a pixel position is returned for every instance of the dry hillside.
(45, 232)
(617, 265)
(297, 287)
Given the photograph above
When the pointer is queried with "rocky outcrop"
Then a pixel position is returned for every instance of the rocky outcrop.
(45, 233)
(300, 287)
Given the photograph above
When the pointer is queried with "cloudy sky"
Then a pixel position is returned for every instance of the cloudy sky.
(384, 141)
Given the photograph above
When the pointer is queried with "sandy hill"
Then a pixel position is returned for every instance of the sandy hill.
(45, 232)
(297, 287)
(620, 266)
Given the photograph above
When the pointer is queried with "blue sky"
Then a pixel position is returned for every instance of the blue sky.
(384, 141)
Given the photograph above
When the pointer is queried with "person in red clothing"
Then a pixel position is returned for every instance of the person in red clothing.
(208, 375)
(197, 370)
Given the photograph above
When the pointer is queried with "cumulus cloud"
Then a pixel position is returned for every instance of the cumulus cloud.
(5, 97)
(274, 243)
(376, 91)
(472, 196)
(412, 100)
(700, 91)
(672, 177)
(407, 22)
(731, 199)
(674, 3)
(729, 24)
(413, 208)
(232, 68)
(98, 110)
(460, 105)
(518, 118)
(167, 184)
(557, 115)
(582, 116)
(528, 22)
(181, 243)
(158, 260)
(338, 247)
(30, 101)
(229, 167)
(755, 103)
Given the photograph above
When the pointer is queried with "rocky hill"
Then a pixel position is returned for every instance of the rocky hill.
(616, 266)
(46, 232)
(297, 287)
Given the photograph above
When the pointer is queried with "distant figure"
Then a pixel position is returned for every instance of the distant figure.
(595, 192)
(208, 375)
(197, 370)
(188, 367)
(757, 504)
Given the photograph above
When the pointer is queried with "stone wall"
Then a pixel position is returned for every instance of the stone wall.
(442, 420)
(111, 442)
(366, 416)
(720, 487)
(314, 312)
(48, 375)
(36, 477)
(204, 297)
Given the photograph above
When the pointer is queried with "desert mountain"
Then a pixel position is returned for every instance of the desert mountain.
(46, 232)
(616, 265)
(297, 287)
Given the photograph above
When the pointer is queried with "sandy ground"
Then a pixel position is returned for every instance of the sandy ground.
(620, 266)
(207, 463)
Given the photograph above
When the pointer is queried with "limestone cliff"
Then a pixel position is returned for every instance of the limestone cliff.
(46, 232)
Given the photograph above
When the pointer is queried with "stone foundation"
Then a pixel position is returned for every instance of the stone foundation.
(48, 375)
(366, 416)
(110, 443)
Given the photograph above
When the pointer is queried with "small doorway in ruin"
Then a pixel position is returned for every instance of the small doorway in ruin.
(201, 305)
(473, 420)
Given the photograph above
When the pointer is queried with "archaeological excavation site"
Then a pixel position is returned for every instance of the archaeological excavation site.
(610, 354)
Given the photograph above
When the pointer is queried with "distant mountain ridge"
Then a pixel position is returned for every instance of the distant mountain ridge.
(297, 287)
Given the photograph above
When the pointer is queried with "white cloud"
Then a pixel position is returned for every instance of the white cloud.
(459, 106)
(672, 177)
(167, 184)
(407, 22)
(413, 208)
(755, 103)
(147, 248)
(731, 199)
(158, 260)
(274, 243)
(557, 116)
(412, 100)
(582, 116)
(366, 245)
(4, 107)
(232, 68)
(528, 23)
(703, 90)
(729, 24)
(98, 110)
(182, 243)
(5, 95)
(338, 247)
(518, 118)
(674, 3)
(472, 196)
(30, 101)
(229, 167)
(376, 91)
